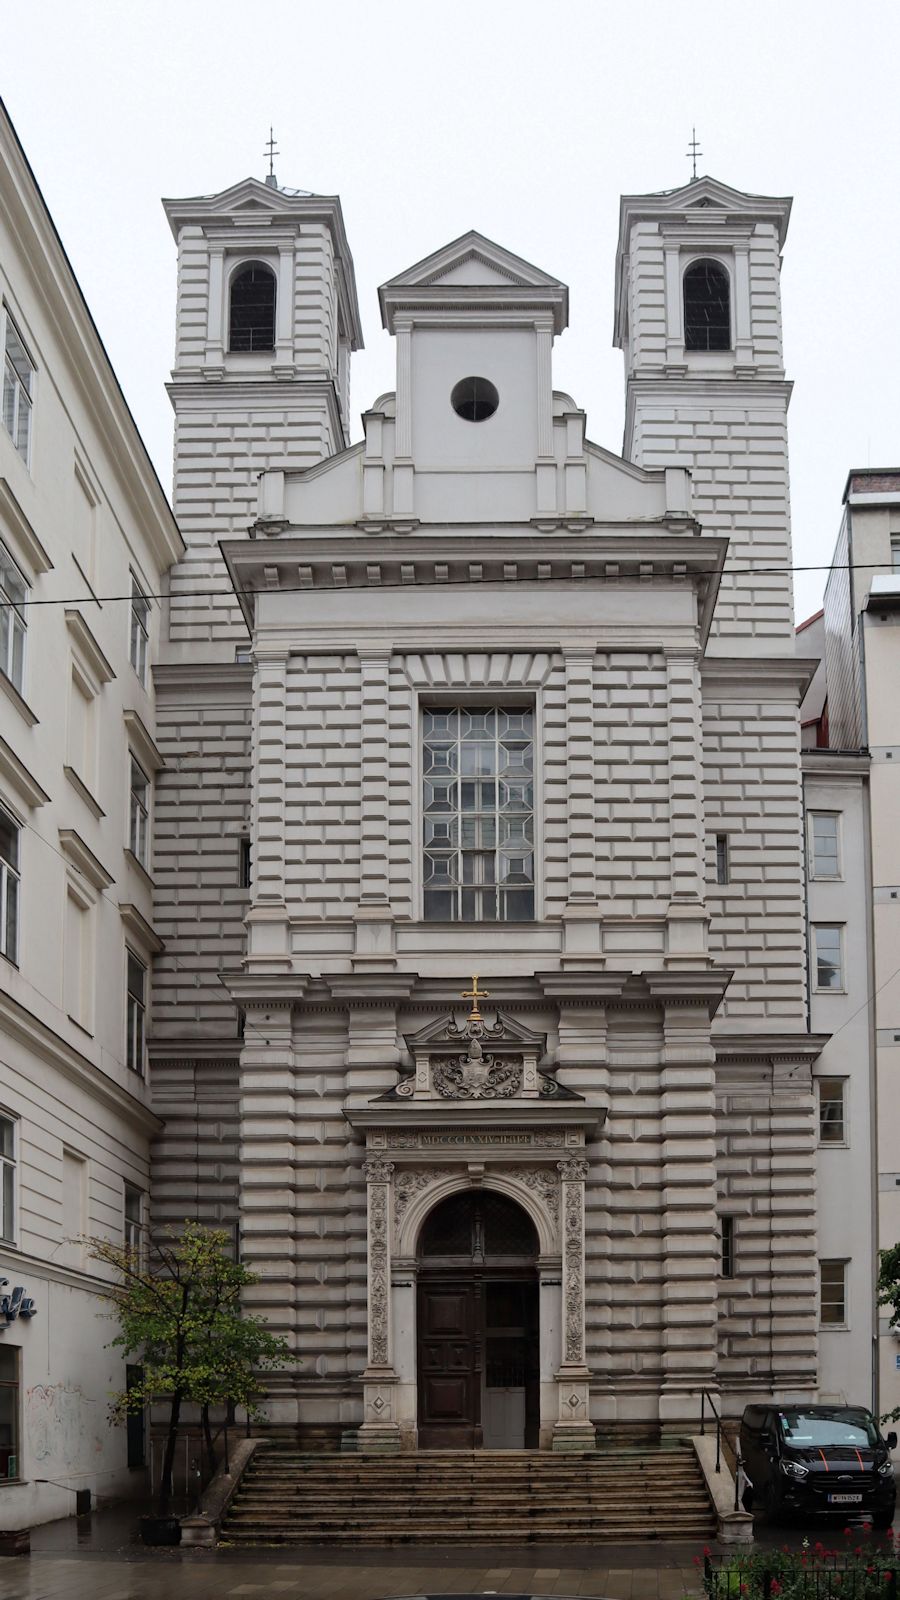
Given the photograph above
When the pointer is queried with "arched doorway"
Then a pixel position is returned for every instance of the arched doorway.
(477, 1325)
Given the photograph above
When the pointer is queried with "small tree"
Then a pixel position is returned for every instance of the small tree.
(180, 1312)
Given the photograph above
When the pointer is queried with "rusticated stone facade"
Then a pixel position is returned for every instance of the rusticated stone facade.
(641, 1065)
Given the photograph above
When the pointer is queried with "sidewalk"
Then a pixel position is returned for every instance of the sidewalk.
(102, 1560)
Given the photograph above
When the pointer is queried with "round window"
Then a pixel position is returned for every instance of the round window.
(474, 399)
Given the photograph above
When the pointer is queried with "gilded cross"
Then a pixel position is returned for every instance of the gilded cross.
(475, 994)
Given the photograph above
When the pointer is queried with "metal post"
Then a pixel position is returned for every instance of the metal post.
(702, 1412)
(718, 1443)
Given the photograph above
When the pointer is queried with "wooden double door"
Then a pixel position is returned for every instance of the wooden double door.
(477, 1329)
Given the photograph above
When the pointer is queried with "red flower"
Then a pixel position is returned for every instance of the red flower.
(847, 1532)
(870, 1569)
(775, 1587)
(696, 1561)
(743, 1588)
(706, 1550)
(887, 1576)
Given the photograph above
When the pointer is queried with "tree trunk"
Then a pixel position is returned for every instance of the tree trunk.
(208, 1438)
(165, 1482)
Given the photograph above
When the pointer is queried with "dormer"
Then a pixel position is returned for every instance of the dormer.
(697, 282)
(474, 326)
(266, 287)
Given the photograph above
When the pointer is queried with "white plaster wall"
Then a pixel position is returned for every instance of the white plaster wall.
(83, 514)
(846, 1231)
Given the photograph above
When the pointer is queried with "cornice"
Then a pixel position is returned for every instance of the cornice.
(221, 393)
(18, 777)
(748, 674)
(206, 680)
(345, 559)
(83, 859)
(141, 740)
(37, 1036)
(749, 1046)
(137, 925)
(835, 764)
(89, 648)
(697, 986)
(418, 1116)
(26, 544)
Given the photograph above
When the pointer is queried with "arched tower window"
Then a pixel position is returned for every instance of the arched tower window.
(252, 318)
(707, 307)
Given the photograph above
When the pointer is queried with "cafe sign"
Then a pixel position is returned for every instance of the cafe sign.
(14, 1303)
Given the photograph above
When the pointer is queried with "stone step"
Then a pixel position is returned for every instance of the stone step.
(448, 1497)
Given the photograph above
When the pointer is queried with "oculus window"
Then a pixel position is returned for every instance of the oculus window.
(474, 399)
(707, 307)
(252, 313)
(478, 809)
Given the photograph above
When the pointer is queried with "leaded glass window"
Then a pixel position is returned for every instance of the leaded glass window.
(479, 814)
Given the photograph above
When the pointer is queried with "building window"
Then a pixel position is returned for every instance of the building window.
(13, 619)
(244, 862)
(9, 887)
(140, 628)
(722, 872)
(824, 845)
(252, 320)
(18, 389)
(707, 307)
(139, 812)
(132, 1220)
(828, 956)
(831, 1110)
(7, 1180)
(833, 1293)
(895, 552)
(136, 1013)
(478, 814)
(728, 1232)
(9, 1413)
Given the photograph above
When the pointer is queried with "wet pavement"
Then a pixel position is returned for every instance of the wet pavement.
(100, 1558)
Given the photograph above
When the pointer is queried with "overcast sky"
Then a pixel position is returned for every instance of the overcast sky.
(523, 120)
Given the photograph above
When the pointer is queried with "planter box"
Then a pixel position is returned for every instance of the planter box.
(15, 1542)
(160, 1530)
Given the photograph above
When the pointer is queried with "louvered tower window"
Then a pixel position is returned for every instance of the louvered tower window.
(707, 307)
(252, 321)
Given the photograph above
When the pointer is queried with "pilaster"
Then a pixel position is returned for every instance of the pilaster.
(581, 918)
(373, 916)
(267, 921)
(574, 1429)
(687, 920)
(379, 1430)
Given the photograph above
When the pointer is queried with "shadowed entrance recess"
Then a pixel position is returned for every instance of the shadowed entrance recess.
(477, 1331)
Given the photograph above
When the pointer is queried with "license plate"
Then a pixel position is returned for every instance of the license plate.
(845, 1499)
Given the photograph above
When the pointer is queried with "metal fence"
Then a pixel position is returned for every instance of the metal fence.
(795, 1575)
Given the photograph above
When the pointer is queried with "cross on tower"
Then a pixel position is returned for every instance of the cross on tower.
(693, 151)
(475, 994)
(271, 151)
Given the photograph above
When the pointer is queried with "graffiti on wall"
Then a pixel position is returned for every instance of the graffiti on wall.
(60, 1423)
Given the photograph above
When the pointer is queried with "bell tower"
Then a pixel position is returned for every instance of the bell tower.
(698, 317)
(266, 321)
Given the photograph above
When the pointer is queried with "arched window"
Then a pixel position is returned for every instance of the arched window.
(707, 307)
(252, 320)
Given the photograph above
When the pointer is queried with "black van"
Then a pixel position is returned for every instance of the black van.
(819, 1461)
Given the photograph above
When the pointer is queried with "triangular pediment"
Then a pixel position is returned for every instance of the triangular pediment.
(473, 259)
(470, 273)
(448, 1029)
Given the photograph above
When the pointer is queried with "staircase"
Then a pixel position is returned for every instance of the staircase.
(470, 1497)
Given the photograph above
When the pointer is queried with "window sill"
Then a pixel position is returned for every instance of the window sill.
(81, 788)
(22, 706)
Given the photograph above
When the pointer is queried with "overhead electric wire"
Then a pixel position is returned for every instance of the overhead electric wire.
(437, 583)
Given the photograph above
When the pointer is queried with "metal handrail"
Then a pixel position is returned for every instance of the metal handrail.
(705, 1397)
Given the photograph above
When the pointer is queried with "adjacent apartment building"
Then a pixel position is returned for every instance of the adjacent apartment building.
(852, 776)
(85, 537)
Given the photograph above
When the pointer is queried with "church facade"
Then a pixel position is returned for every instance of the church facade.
(482, 1012)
